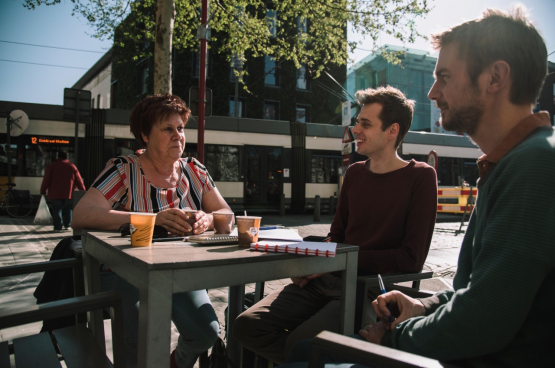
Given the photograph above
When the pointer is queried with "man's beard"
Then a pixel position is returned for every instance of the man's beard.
(464, 119)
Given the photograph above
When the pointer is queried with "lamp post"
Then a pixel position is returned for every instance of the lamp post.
(202, 80)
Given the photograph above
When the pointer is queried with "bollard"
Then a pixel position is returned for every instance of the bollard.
(282, 205)
(332, 205)
(317, 209)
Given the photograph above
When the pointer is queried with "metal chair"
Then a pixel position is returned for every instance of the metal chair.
(76, 344)
(389, 279)
(362, 352)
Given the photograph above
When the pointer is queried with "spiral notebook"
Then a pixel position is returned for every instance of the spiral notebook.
(305, 248)
(214, 239)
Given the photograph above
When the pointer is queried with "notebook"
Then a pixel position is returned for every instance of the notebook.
(214, 239)
(306, 248)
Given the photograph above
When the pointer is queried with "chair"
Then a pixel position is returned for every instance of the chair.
(365, 353)
(369, 281)
(76, 343)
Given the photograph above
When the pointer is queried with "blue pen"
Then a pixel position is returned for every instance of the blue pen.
(382, 287)
(271, 227)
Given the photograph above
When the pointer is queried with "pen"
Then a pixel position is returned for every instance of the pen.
(382, 287)
(271, 227)
(176, 238)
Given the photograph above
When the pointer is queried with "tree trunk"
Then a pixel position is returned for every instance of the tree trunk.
(165, 17)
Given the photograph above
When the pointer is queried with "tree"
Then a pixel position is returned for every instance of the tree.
(308, 32)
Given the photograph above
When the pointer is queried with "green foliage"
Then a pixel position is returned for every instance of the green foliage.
(240, 26)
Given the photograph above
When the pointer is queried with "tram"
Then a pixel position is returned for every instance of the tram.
(251, 161)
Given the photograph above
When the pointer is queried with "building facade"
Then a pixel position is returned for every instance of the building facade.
(413, 76)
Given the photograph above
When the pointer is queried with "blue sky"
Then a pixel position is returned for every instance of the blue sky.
(54, 26)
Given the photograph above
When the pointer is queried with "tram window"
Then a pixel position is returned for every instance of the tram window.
(222, 162)
(126, 147)
(324, 169)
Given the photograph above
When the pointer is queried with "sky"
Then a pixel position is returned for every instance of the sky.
(22, 80)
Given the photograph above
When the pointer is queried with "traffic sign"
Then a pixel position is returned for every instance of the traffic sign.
(194, 99)
(346, 160)
(347, 148)
(433, 159)
(346, 113)
(348, 135)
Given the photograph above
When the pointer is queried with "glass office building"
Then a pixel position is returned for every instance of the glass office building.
(413, 76)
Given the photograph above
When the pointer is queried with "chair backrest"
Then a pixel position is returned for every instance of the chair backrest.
(364, 353)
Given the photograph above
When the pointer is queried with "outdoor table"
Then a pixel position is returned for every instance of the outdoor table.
(162, 269)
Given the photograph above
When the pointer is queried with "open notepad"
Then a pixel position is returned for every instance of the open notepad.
(306, 248)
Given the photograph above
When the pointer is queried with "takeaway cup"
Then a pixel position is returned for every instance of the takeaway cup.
(222, 222)
(191, 213)
(142, 228)
(248, 228)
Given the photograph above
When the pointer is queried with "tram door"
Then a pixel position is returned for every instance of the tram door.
(263, 179)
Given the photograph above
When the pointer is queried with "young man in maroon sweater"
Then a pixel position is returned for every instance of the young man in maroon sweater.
(387, 206)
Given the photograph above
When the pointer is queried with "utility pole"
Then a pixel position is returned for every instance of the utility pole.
(202, 34)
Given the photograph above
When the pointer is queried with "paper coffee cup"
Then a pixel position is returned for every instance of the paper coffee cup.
(222, 222)
(191, 213)
(248, 228)
(142, 228)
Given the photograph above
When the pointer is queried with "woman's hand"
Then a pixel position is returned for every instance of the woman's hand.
(174, 220)
(202, 222)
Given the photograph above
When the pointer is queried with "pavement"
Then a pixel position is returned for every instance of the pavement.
(22, 242)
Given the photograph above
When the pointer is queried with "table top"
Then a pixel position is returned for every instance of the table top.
(170, 255)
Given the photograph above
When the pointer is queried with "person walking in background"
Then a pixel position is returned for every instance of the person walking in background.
(60, 180)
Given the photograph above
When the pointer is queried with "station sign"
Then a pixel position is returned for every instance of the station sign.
(48, 140)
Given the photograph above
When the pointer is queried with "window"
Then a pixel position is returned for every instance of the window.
(303, 114)
(113, 92)
(222, 162)
(363, 84)
(271, 110)
(270, 70)
(240, 104)
(302, 78)
(98, 102)
(324, 168)
(142, 77)
(271, 18)
(92, 103)
(31, 154)
(196, 64)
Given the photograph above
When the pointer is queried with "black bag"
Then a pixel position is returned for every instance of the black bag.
(218, 358)
(58, 284)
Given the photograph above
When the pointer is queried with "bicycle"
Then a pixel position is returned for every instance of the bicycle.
(18, 203)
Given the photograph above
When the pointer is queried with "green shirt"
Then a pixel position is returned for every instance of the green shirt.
(502, 312)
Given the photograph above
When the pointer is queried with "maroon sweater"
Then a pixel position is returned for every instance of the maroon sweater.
(390, 216)
(60, 179)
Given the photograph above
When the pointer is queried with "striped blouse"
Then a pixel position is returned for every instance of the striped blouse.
(126, 187)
